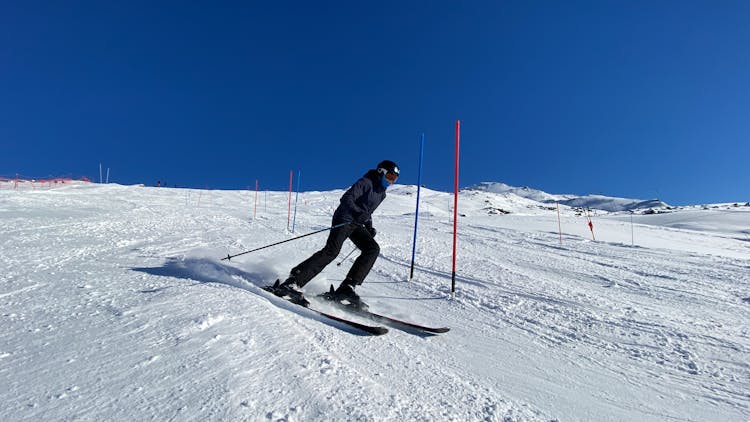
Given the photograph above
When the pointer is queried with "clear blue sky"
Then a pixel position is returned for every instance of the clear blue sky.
(638, 99)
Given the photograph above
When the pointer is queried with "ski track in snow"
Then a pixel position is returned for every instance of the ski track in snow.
(115, 306)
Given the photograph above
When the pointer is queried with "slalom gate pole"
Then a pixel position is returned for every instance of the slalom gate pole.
(346, 257)
(255, 209)
(296, 198)
(416, 214)
(289, 211)
(559, 225)
(591, 224)
(229, 257)
(455, 207)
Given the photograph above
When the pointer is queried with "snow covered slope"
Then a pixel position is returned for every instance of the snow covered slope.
(116, 306)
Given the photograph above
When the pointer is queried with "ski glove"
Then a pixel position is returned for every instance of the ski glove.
(361, 217)
(371, 230)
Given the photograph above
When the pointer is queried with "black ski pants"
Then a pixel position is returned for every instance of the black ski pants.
(306, 270)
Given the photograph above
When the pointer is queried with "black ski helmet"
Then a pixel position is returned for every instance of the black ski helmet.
(389, 166)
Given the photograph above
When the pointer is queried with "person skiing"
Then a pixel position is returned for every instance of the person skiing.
(351, 220)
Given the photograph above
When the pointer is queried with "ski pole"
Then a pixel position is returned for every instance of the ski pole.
(229, 257)
(347, 256)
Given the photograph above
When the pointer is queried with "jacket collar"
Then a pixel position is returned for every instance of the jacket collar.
(374, 176)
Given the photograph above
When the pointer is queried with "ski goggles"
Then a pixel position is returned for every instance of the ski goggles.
(389, 175)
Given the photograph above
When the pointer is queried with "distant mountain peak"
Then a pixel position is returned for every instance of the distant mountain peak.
(599, 202)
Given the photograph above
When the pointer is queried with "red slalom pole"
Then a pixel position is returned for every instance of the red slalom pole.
(455, 207)
(591, 225)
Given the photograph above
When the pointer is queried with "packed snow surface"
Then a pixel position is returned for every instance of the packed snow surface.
(116, 305)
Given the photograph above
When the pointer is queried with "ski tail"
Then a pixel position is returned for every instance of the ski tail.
(395, 321)
(371, 329)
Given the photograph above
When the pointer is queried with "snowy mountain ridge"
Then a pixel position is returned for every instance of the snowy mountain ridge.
(599, 202)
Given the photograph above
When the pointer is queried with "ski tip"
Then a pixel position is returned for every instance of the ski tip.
(379, 331)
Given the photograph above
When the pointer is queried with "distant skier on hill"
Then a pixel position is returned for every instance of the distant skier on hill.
(355, 213)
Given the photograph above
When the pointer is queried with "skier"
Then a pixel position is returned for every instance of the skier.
(355, 213)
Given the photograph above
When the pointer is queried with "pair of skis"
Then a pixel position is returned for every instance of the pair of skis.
(366, 328)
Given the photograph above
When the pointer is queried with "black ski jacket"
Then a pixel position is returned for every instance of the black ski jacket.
(361, 200)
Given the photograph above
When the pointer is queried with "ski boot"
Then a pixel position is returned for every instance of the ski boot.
(290, 291)
(346, 296)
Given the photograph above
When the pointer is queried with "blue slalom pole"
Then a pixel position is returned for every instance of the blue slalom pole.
(296, 198)
(416, 214)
